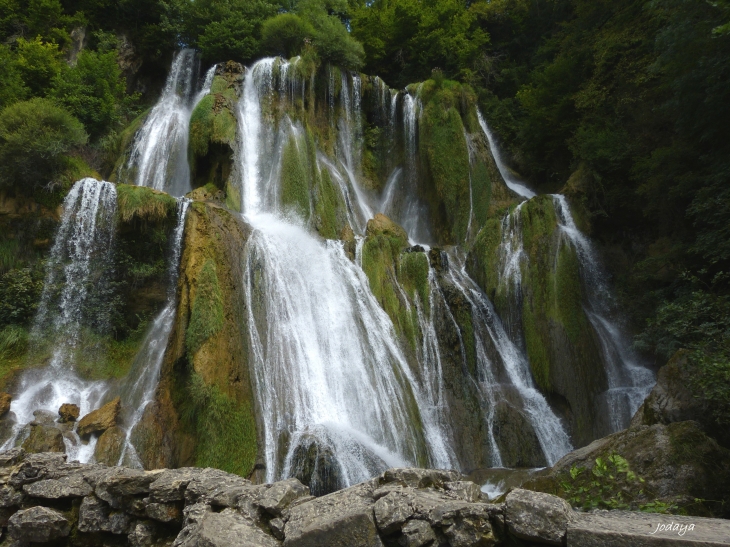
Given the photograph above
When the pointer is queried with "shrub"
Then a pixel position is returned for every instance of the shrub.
(19, 294)
(285, 34)
(35, 137)
(93, 90)
(12, 88)
(38, 63)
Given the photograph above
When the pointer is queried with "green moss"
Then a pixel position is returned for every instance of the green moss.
(233, 196)
(294, 178)
(212, 121)
(144, 204)
(326, 203)
(481, 192)
(120, 147)
(483, 263)
(442, 136)
(206, 316)
(413, 277)
(225, 429)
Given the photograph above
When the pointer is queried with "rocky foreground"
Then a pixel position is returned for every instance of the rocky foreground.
(44, 499)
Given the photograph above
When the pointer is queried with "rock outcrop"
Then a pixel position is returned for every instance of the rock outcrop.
(101, 419)
(47, 500)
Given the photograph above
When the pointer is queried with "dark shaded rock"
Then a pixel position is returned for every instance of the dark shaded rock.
(670, 400)
(164, 512)
(539, 517)
(417, 533)
(276, 526)
(5, 400)
(315, 465)
(68, 413)
(347, 236)
(96, 516)
(101, 419)
(10, 497)
(44, 438)
(464, 524)
(72, 486)
(341, 519)
(515, 436)
(109, 446)
(142, 535)
(224, 529)
(11, 457)
(38, 525)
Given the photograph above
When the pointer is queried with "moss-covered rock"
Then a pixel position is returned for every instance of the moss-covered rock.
(212, 138)
(203, 412)
(145, 205)
(683, 470)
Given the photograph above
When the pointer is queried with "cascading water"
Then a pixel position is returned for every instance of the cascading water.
(512, 183)
(628, 382)
(158, 157)
(139, 387)
(327, 368)
(77, 270)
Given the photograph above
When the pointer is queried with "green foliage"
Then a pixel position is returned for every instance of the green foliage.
(225, 429)
(144, 204)
(19, 294)
(93, 90)
(206, 316)
(13, 341)
(212, 121)
(38, 62)
(12, 86)
(295, 177)
(35, 137)
(610, 484)
(285, 35)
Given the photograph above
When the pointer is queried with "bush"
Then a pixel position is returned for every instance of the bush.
(20, 291)
(12, 87)
(335, 45)
(38, 63)
(285, 35)
(35, 137)
(93, 90)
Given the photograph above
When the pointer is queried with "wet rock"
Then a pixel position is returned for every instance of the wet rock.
(670, 400)
(315, 465)
(96, 516)
(280, 496)
(72, 486)
(535, 516)
(225, 529)
(44, 438)
(417, 533)
(515, 435)
(68, 413)
(44, 417)
(38, 525)
(109, 447)
(347, 236)
(101, 419)
(5, 400)
(341, 519)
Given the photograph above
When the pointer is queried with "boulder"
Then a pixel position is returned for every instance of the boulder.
(281, 495)
(340, 519)
(538, 517)
(418, 533)
(117, 484)
(670, 400)
(101, 419)
(68, 413)
(224, 529)
(71, 486)
(38, 525)
(419, 478)
(109, 446)
(170, 484)
(164, 512)
(44, 438)
(5, 400)
(10, 497)
(381, 224)
(96, 516)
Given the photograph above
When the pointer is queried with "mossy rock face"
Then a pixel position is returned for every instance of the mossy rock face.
(213, 128)
(144, 205)
(203, 413)
(545, 313)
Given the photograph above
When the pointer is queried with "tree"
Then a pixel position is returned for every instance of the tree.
(35, 137)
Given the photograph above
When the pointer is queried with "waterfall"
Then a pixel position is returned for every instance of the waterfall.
(139, 386)
(75, 284)
(512, 183)
(628, 382)
(158, 156)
